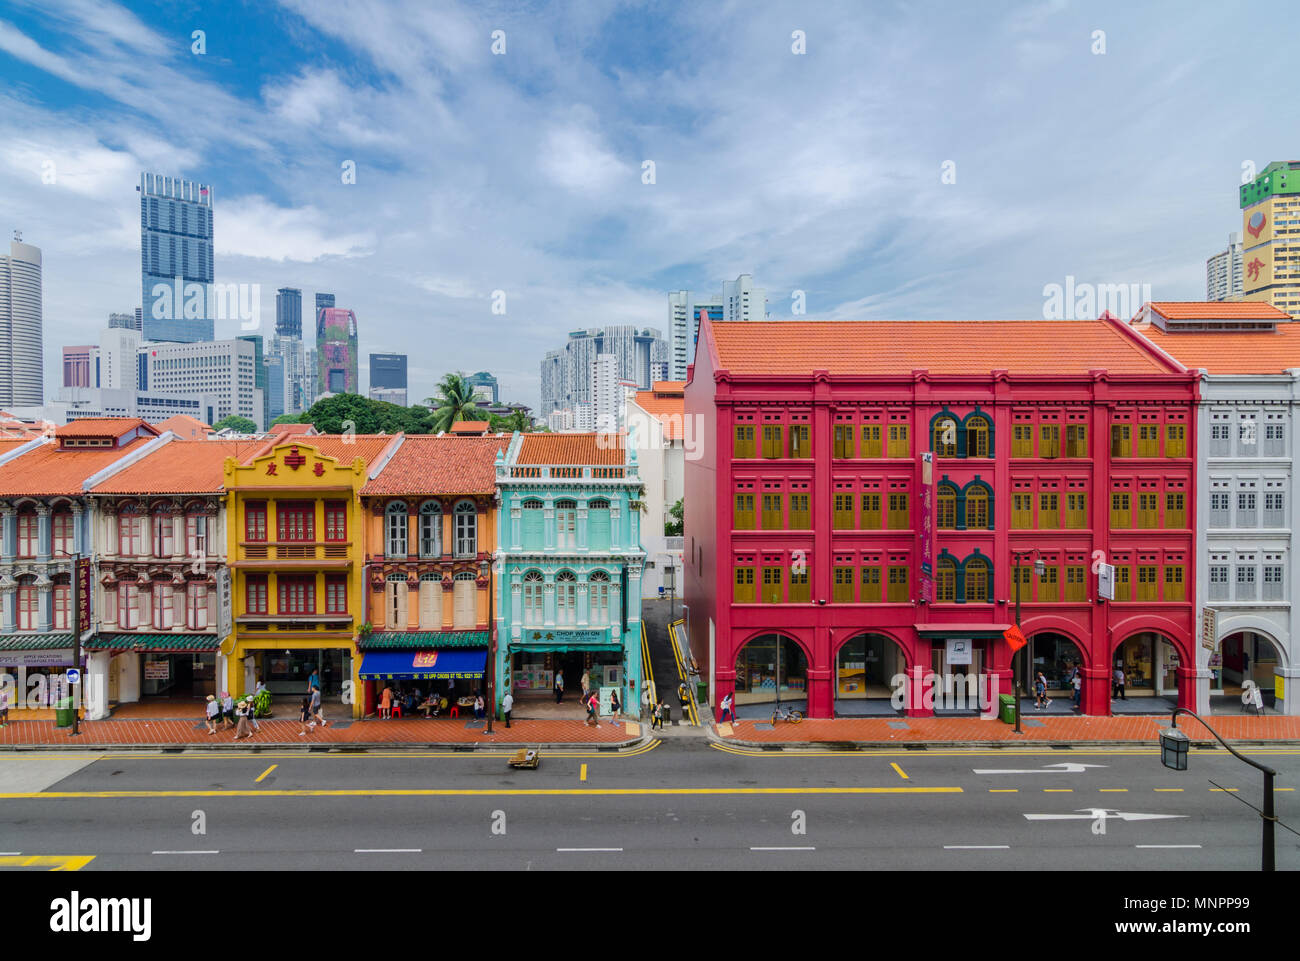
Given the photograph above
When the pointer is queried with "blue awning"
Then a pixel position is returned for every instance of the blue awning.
(421, 665)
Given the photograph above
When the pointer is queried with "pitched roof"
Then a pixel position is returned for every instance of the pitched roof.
(1218, 310)
(470, 427)
(427, 464)
(47, 470)
(1230, 351)
(590, 448)
(278, 429)
(178, 467)
(669, 408)
(185, 426)
(102, 427)
(344, 448)
(668, 386)
(849, 347)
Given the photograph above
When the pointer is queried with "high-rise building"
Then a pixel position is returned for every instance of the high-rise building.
(275, 395)
(567, 372)
(1270, 205)
(336, 351)
(486, 385)
(259, 376)
(605, 392)
(76, 365)
(223, 369)
(388, 378)
(1223, 272)
(129, 321)
(176, 249)
(22, 377)
(739, 300)
(288, 312)
(323, 301)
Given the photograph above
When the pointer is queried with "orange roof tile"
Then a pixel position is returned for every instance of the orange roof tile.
(344, 448)
(669, 386)
(426, 464)
(590, 448)
(1218, 310)
(185, 426)
(667, 408)
(278, 429)
(102, 427)
(849, 347)
(178, 467)
(470, 426)
(48, 470)
(1230, 351)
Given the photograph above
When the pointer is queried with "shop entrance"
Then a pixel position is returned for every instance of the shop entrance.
(1056, 656)
(287, 672)
(1149, 662)
(771, 668)
(1243, 657)
(959, 664)
(186, 675)
(865, 669)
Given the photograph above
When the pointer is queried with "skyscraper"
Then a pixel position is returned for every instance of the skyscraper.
(336, 350)
(1270, 204)
(76, 365)
(1223, 272)
(567, 372)
(131, 321)
(485, 384)
(288, 385)
(22, 379)
(323, 301)
(739, 300)
(288, 312)
(176, 250)
(260, 380)
(388, 378)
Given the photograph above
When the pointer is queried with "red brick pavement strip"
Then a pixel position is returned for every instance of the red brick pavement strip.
(399, 732)
(971, 730)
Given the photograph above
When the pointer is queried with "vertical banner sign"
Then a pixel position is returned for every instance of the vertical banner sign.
(83, 593)
(224, 611)
(1209, 628)
(925, 586)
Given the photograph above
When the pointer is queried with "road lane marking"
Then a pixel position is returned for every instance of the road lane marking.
(186, 852)
(580, 850)
(10, 854)
(894, 765)
(1225, 790)
(977, 847)
(1066, 767)
(1112, 790)
(582, 774)
(472, 792)
(1166, 845)
(387, 850)
(55, 862)
(1134, 751)
(792, 848)
(258, 779)
(1169, 790)
(1058, 790)
(1004, 790)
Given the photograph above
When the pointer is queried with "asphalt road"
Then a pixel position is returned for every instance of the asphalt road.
(683, 804)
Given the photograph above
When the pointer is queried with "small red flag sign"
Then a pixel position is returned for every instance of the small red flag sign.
(1015, 637)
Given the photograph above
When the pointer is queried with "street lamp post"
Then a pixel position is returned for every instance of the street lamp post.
(1173, 754)
(1039, 568)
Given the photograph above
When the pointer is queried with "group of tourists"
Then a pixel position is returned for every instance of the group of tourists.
(227, 712)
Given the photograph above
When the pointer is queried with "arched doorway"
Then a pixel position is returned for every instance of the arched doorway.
(1242, 658)
(770, 668)
(1057, 656)
(1150, 663)
(865, 668)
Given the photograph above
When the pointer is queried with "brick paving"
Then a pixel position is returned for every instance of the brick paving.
(957, 730)
(415, 731)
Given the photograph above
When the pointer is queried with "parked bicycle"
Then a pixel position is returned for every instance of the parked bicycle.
(785, 714)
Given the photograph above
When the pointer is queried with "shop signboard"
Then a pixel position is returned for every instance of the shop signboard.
(925, 586)
(84, 593)
(552, 636)
(59, 657)
(1209, 627)
(157, 670)
(1106, 581)
(224, 612)
(958, 650)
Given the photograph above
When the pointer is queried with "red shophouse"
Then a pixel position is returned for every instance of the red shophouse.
(1073, 440)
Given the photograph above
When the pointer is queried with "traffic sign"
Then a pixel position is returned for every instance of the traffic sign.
(73, 675)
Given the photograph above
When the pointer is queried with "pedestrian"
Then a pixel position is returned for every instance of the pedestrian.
(729, 707)
(478, 707)
(304, 716)
(507, 705)
(386, 702)
(559, 687)
(214, 714)
(1119, 683)
(316, 707)
(591, 710)
(227, 710)
(242, 728)
(1077, 683)
(614, 705)
(4, 704)
(1040, 690)
(586, 685)
(314, 680)
(252, 714)
(657, 718)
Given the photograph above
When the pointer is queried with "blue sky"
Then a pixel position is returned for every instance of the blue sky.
(817, 172)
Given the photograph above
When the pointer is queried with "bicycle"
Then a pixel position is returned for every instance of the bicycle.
(785, 714)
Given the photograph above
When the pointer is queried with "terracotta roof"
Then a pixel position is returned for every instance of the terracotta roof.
(669, 386)
(185, 426)
(1231, 351)
(426, 464)
(102, 427)
(278, 429)
(470, 427)
(849, 347)
(344, 448)
(47, 470)
(669, 410)
(178, 467)
(590, 448)
(1218, 310)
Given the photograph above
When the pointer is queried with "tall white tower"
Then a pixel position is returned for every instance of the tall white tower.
(22, 347)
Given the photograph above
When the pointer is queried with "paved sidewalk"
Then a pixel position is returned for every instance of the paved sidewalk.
(975, 731)
(404, 732)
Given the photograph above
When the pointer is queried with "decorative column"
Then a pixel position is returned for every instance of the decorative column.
(8, 530)
(177, 520)
(548, 525)
(78, 531)
(615, 524)
(548, 600)
(8, 586)
(516, 606)
(516, 523)
(582, 604)
(581, 524)
(45, 600)
(108, 550)
(44, 532)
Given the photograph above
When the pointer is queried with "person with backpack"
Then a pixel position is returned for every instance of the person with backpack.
(658, 720)
(614, 705)
(729, 707)
(214, 714)
(1119, 683)
(1041, 699)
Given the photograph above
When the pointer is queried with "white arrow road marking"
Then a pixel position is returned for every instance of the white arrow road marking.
(1101, 814)
(1065, 768)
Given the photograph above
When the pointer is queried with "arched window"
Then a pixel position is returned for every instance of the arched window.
(977, 508)
(945, 580)
(396, 525)
(977, 581)
(946, 504)
(977, 437)
(598, 525)
(431, 602)
(463, 591)
(466, 529)
(395, 607)
(566, 514)
(533, 584)
(430, 529)
(566, 598)
(598, 598)
(945, 436)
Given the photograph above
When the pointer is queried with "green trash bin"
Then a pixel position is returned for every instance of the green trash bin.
(1007, 708)
(63, 713)
(701, 692)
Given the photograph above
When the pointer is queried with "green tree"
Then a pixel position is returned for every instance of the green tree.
(453, 402)
(516, 420)
(674, 527)
(289, 419)
(242, 425)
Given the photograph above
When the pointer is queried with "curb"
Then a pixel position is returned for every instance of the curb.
(995, 745)
(344, 747)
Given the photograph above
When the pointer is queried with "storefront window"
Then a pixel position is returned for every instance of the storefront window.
(866, 666)
(1056, 656)
(768, 663)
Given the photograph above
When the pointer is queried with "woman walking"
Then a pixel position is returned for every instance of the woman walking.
(242, 728)
(304, 715)
(213, 712)
(614, 705)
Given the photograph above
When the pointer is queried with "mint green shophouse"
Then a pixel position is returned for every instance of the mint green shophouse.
(568, 568)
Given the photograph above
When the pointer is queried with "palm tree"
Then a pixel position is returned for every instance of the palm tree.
(518, 420)
(454, 402)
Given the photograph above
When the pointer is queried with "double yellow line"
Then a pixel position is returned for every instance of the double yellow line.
(691, 709)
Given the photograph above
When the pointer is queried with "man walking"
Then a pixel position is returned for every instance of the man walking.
(507, 705)
(316, 707)
(1076, 681)
(1119, 683)
(559, 687)
(658, 718)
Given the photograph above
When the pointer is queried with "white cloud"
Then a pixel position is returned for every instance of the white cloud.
(255, 227)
